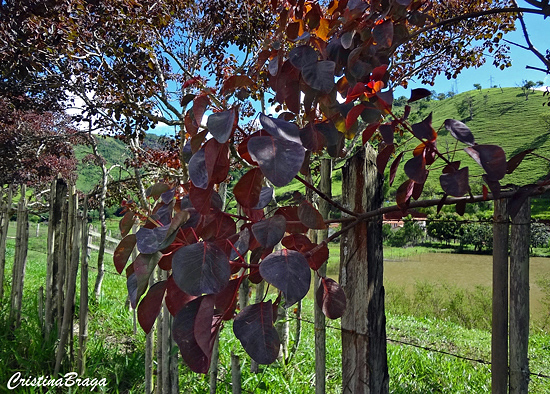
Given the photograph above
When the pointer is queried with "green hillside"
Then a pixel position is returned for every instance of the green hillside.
(89, 175)
(502, 117)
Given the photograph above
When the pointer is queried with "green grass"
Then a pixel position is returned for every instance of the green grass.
(116, 353)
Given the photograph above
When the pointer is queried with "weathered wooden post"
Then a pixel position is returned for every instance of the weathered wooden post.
(4, 227)
(19, 259)
(83, 309)
(499, 338)
(320, 330)
(364, 355)
(519, 300)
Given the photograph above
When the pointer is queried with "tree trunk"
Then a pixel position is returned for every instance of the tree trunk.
(320, 330)
(83, 309)
(103, 228)
(4, 227)
(20, 259)
(499, 338)
(519, 300)
(364, 358)
(61, 264)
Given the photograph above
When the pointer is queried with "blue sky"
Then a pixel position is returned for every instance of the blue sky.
(538, 29)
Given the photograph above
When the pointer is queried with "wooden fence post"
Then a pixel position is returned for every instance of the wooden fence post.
(235, 374)
(519, 300)
(364, 355)
(20, 259)
(499, 337)
(320, 330)
(4, 227)
(83, 309)
(72, 239)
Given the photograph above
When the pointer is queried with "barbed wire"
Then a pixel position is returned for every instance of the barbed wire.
(480, 361)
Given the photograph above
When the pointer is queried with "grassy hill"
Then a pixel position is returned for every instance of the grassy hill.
(500, 116)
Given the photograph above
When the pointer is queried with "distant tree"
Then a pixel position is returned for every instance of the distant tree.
(409, 234)
(479, 235)
(527, 87)
(444, 226)
(540, 235)
(441, 96)
(450, 94)
(465, 107)
(477, 86)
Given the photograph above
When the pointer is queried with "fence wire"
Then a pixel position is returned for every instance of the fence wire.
(401, 342)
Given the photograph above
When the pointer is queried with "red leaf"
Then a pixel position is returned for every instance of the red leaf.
(319, 256)
(248, 188)
(123, 252)
(394, 166)
(515, 161)
(201, 199)
(218, 225)
(383, 158)
(183, 332)
(312, 139)
(150, 306)
(456, 183)
(417, 190)
(379, 72)
(331, 298)
(235, 82)
(418, 94)
(176, 298)
(404, 193)
(226, 300)
(424, 129)
(311, 216)
(126, 223)
(254, 328)
(138, 274)
(369, 131)
(353, 114)
(415, 168)
(288, 271)
(216, 158)
(298, 242)
(358, 90)
(291, 215)
(202, 327)
(485, 192)
(199, 106)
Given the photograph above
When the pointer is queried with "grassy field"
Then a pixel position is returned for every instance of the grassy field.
(116, 352)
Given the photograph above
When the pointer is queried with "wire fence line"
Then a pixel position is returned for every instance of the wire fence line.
(427, 348)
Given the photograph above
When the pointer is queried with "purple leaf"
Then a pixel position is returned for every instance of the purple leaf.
(320, 75)
(183, 332)
(149, 240)
(415, 169)
(288, 271)
(279, 159)
(492, 158)
(197, 170)
(424, 129)
(310, 216)
(254, 328)
(241, 244)
(269, 232)
(267, 194)
(418, 94)
(460, 131)
(281, 128)
(331, 298)
(137, 281)
(455, 183)
(302, 55)
(201, 268)
(220, 125)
